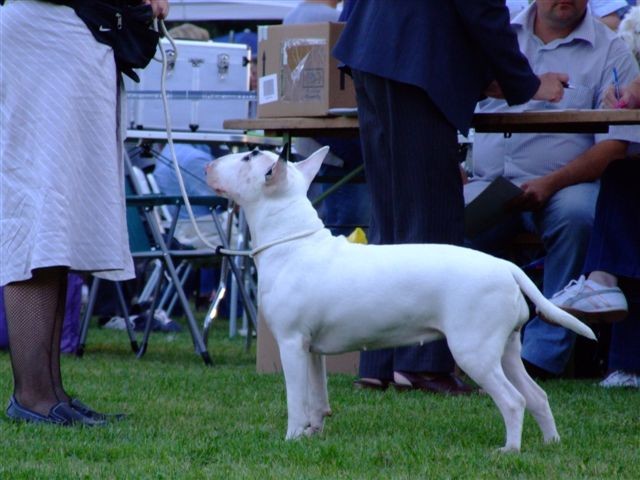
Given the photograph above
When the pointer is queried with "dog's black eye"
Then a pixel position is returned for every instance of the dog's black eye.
(246, 158)
(255, 152)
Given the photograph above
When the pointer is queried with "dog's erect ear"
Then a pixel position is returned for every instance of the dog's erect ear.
(277, 173)
(284, 153)
(309, 167)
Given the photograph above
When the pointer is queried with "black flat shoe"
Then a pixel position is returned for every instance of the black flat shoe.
(60, 414)
(87, 411)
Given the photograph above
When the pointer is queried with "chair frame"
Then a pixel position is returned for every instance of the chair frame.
(168, 257)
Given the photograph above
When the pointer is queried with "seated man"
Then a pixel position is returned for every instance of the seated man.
(610, 12)
(558, 172)
(613, 259)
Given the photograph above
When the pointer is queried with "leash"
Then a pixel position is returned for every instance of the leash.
(219, 249)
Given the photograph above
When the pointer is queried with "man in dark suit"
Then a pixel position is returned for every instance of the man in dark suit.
(419, 67)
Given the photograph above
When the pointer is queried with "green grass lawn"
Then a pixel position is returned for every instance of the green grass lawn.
(191, 421)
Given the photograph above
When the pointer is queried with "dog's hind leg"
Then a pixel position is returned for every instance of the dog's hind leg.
(318, 395)
(295, 364)
(536, 398)
(489, 375)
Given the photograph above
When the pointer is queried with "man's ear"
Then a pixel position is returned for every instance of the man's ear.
(309, 167)
(277, 173)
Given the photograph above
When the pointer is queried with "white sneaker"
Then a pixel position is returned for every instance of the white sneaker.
(620, 378)
(118, 323)
(592, 302)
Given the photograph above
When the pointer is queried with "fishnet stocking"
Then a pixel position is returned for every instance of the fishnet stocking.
(31, 308)
(55, 341)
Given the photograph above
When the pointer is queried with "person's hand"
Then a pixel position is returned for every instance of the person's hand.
(536, 194)
(494, 90)
(463, 175)
(160, 7)
(551, 86)
(630, 97)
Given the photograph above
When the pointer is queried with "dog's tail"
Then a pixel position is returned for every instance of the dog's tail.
(548, 310)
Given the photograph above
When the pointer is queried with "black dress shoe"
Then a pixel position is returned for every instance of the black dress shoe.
(60, 414)
(87, 411)
(366, 384)
(443, 383)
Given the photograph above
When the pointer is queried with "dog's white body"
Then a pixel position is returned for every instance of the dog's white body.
(320, 294)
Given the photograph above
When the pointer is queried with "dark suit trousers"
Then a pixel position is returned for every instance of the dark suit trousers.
(615, 248)
(411, 164)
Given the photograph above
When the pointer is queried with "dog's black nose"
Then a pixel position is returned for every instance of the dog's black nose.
(255, 152)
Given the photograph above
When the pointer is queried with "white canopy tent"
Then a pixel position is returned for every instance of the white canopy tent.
(194, 10)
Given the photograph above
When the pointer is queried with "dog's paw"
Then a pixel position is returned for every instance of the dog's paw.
(295, 432)
(555, 438)
(317, 418)
(312, 430)
(508, 449)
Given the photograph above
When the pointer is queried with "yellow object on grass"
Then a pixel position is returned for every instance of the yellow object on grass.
(358, 236)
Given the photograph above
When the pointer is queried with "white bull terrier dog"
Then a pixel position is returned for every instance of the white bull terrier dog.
(323, 295)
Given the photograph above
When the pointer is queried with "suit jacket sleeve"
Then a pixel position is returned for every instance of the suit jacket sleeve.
(487, 24)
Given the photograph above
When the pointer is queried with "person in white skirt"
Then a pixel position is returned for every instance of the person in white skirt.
(62, 202)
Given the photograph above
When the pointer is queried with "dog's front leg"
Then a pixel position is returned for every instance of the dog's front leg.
(318, 395)
(295, 364)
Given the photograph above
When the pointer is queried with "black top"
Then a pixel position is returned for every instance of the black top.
(124, 25)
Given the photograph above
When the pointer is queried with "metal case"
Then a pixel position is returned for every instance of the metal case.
(207, 83)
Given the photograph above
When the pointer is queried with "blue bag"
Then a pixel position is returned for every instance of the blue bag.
(71, 325)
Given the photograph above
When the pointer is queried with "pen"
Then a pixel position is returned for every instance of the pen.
(616, 83)
(568, 85)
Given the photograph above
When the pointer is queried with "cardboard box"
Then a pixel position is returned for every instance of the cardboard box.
(201, 70)
(297, 75)
(268, 355)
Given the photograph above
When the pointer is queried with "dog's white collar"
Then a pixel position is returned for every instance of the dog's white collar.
(290, 238)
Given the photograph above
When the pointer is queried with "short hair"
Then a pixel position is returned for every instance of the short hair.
(189, 31)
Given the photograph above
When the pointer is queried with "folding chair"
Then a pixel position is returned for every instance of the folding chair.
(243, 269)
(140, 210)
(249, 282)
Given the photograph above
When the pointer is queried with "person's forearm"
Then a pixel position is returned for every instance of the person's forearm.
(634, 93)
(590, 165)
